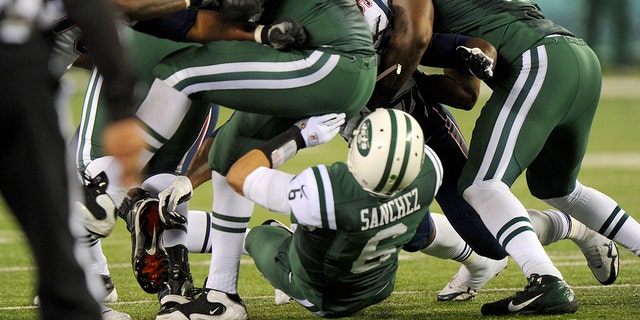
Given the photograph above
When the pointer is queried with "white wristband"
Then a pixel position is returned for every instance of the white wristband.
(188, 3)
(257, 34)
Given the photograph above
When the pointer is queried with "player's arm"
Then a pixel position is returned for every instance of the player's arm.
(412, 30)
(254, 175)
(463, 64)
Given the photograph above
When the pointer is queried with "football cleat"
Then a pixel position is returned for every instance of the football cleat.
(98, 210)
(110, 314)
(126, 211)
(109, 286)
(602, 257)
(211, 304)
(178, 288)
(544, 294)
(149, 257)
(112, 294)
(470, 279)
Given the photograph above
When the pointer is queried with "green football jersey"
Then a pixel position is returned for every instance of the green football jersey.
(345, 249)
(512, 26)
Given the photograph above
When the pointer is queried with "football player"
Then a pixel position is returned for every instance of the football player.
(545, 93)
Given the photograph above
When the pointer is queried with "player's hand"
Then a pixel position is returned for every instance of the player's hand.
(478, 63)
(320, 129)
(284, 34)
(178, 192)
(122, 140)
(241, 9)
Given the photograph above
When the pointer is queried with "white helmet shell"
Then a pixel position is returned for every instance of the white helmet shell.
(386, 152)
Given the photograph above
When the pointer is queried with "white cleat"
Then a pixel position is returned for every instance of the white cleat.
(602, 257)
(465, 284)
(110, 314)
(212, 304)
(280, 297)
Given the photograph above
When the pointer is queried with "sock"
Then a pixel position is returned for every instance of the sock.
(199, 231)
(447, 244)
(602, 214)
(231, 214)
(508, 221)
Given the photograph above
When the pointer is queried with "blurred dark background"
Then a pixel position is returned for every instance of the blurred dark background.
(611, 27)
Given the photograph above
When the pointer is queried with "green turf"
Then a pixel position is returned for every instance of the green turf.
(419, 277)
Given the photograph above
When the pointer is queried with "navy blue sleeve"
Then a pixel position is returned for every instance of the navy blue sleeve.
(173, 26)
(441, 52)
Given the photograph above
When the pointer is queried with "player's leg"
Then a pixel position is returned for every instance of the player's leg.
(475, 271)
(561, 160)
(515, 123)
(36, 189)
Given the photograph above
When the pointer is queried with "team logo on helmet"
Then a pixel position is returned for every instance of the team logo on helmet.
(364, 138)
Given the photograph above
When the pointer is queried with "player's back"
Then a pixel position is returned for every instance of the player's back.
(331, 24)
(355, 257)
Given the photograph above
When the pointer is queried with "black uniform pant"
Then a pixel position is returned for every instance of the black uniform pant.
(34, 181)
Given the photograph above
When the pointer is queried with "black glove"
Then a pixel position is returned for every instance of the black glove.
(478, 63)
(241, 9)
(284, 34)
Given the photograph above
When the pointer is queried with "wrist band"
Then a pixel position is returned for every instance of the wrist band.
(257, 34)
(188, 3)
(282, 147)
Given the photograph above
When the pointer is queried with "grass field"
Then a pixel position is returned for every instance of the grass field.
(612, 166)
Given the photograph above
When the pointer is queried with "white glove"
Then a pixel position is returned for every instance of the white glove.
(178, 192)
(320, 129)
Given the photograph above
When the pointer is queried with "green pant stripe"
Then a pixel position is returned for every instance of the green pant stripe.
(255, 75)
(609, 220)
(618, 226)
(154, 134)
(524, 92)
(227, 229)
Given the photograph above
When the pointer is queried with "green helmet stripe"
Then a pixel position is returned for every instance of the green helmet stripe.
(390, 155)
(407, 154)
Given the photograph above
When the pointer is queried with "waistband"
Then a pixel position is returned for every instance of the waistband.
(564, 38)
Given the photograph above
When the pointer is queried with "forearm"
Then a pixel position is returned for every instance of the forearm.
(148, 9)
(212, 25)
(454, 88)
(412, 32)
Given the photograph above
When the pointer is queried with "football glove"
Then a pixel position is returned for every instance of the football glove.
(178, 192)
(285, 34)
(478, 63)
(320, 129)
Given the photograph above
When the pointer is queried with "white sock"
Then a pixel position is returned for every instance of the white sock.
(447, 244)
(231, 214)
(602, 214)
(98, 259)
(508, 221)
(199, 231)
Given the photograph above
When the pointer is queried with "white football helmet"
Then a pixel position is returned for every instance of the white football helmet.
(386, 151)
